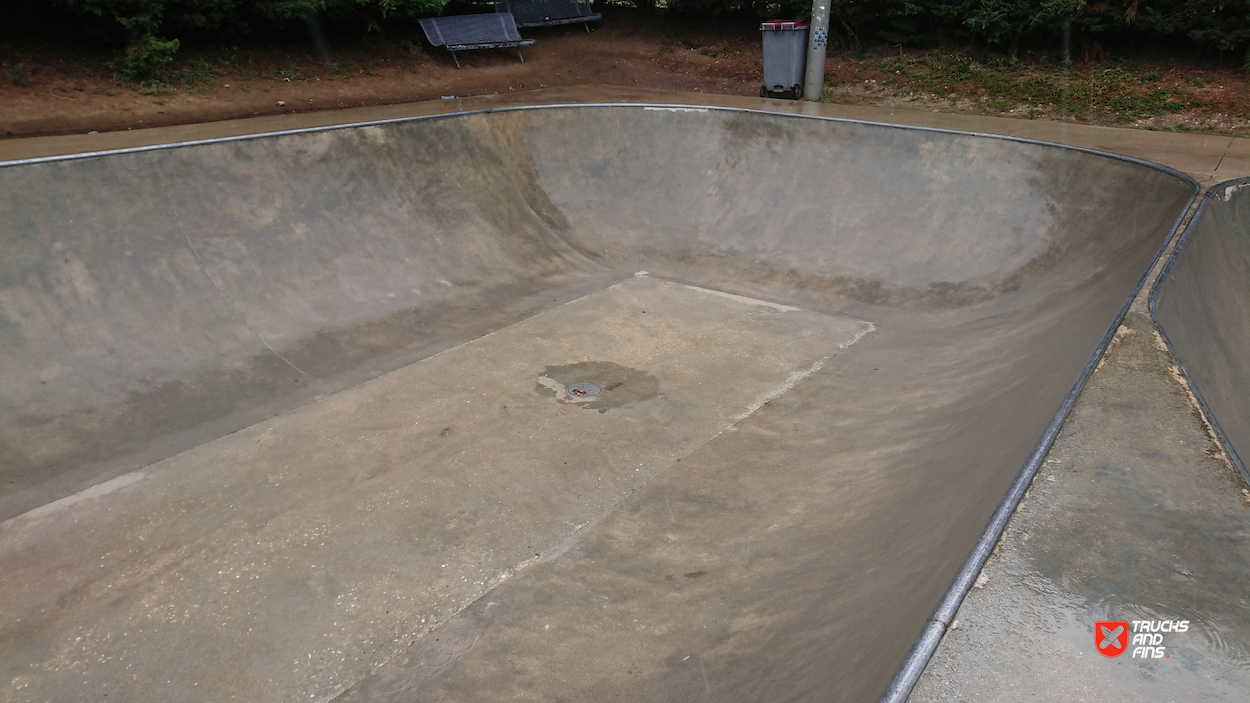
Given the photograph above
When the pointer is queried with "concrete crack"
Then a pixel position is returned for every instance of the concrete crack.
(226, 298)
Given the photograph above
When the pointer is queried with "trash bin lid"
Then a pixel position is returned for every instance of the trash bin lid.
(776, 25)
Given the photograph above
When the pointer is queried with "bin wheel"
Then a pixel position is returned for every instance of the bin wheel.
(798, 91)
(763, 91)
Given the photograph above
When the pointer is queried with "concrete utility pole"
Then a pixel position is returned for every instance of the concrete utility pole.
(817, 39)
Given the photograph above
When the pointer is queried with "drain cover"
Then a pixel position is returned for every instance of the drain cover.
(584, 389)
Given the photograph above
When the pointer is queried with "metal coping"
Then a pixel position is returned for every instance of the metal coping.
(676, 107)
(926, 644)
(935, 629)
(1154, 299)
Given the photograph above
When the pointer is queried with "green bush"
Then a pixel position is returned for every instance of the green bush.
(145, 58)
(20, 75)
(295, 11)
(137, 19)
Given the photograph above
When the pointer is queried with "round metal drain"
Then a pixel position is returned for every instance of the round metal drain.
(583, 389)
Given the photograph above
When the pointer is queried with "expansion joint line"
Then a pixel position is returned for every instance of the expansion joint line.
(222, 293)
(1215, 170)
(565, 544)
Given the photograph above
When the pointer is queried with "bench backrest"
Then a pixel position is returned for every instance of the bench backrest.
(544, 10)
(471, 29)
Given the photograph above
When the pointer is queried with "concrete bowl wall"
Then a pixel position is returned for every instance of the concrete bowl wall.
(1202, 305)
(156, 300)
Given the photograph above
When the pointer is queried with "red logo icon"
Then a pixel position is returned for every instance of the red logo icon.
(1111, 636)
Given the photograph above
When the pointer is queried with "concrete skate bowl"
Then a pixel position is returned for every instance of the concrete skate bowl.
(1202, 306)
(289, 416)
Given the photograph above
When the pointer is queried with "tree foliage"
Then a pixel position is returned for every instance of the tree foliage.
(1219, 25)
(149, 28)
(140, 19)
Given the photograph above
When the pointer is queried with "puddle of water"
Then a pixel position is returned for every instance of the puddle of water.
(622, 386)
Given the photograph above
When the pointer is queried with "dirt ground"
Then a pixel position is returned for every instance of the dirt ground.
(67, 90)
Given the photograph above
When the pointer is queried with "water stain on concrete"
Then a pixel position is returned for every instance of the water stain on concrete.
(622, 386)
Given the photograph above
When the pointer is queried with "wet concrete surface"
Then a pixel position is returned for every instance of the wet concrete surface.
(737, 567)
(613, 385)
(1137, 514)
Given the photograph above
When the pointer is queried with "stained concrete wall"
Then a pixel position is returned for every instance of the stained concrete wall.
(152, 301)
(1202, 304)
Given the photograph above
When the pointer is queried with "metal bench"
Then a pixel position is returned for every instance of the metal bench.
(465, 32)
(548, 13)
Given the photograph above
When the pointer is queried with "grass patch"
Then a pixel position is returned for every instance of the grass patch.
(196, 72)
(1114, 92)
(163, 82)
(19, 75)
(229, 55)
(155, 87)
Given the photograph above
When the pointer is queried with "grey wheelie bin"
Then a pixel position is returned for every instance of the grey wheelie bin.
(785, 55)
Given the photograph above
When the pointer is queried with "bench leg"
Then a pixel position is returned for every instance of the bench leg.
(518, 53)
(587, 26)
(456, 59)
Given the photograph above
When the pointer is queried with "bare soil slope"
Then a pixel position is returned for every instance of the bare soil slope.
(64, 89)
